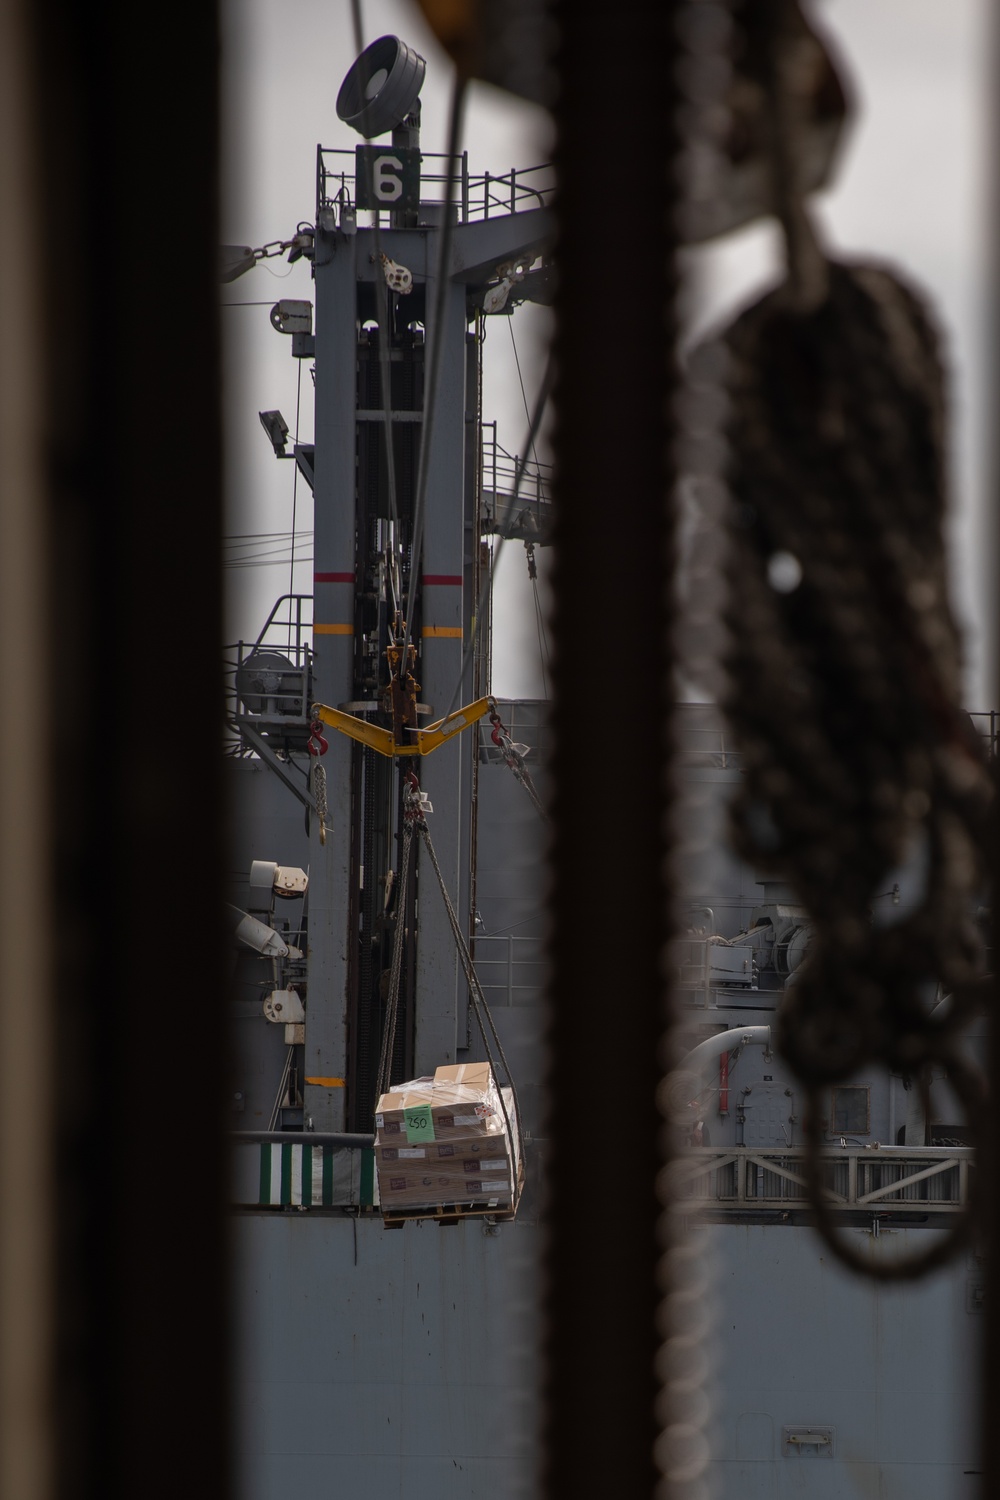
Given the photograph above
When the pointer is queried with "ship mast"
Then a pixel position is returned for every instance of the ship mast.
(395, 544)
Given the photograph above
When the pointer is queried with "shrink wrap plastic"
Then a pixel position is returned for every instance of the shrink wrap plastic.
(443, 1141)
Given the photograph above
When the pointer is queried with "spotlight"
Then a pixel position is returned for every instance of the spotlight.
(276, 428)
(381, 87)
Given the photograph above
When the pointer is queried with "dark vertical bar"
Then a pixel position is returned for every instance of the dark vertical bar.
(988, 1165)
(28, 1436)
(128, 126)
(608, 906)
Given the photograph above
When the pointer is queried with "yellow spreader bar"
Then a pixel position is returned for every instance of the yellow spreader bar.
(463, 718)
(424, 740)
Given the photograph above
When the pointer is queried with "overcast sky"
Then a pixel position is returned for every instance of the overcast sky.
(911, 187)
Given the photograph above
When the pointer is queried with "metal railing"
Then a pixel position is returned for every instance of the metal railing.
(474, 196)
(692, 969)
(712, 744)
(884, 1179)
(511, 969)
(529, 518)
(987, 723)
(283, 650)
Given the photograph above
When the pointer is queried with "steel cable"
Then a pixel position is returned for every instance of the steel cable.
(383, 307)
(396, 967)
(485, 593)
(479, 1002)
(437, 342)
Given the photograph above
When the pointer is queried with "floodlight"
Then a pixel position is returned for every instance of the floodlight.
(381, 87)
(276, 428)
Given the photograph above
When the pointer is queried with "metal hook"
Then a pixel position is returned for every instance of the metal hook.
(316, 733)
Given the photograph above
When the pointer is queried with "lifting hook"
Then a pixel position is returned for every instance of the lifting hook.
(321, 745)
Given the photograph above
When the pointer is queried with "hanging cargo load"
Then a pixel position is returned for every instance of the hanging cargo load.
(448, 1143)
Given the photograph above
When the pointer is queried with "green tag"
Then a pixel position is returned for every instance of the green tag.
(419, 1124)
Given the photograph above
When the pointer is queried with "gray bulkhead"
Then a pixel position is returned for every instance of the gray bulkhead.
(407, 1360)
(375, 1361)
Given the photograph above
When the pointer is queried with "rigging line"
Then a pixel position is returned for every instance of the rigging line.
(273, 549)
(383, 306)
(486, 592)
(282, 1087)
(396, 966)
(543, 650)
(258, 536)
(266, 539)
(279, 550)
(504, 931)
(520, 381)
(437, 335)
(476, 992)
(295, 502)
(275, 562)
(303, 545)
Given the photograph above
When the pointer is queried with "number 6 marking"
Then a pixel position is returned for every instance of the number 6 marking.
(387, 184)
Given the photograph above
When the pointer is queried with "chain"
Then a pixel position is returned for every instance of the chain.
(301, 241)
(319, 793)
(317, 745)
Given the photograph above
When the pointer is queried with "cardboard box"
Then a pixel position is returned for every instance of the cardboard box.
(451, 1155)
(404, 1188)
(467, 1075)
(460, 1100)
(443, 1141)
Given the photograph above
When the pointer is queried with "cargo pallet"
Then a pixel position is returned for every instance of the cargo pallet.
(453, 1213)
(445, 1213)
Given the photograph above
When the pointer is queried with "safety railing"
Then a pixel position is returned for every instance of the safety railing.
(711, 744)
(529, 516)
(296, 1170)
(474, 196)
(987, 723)
(706, 745)
(270, 678)
(511, 969)
(692, 969)
(880, 1179)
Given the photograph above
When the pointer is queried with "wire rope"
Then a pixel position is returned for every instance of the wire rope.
(295, 499)
(383, 307)
(520, 381)
(275, 562)
(276, 550)
(485, 593)
(396, 967)
(282, 1087)
(543, 648)
(479, 1002)
(437, 340)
